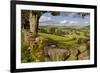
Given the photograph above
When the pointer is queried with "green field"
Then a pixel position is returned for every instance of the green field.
(58, 39)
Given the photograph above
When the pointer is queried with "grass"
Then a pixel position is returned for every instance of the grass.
(58, 39)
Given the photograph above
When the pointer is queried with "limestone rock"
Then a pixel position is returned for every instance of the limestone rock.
(84, 55)
(82, 48)
(73, 51)
(28, 37)
(72, 57)
(57, 54)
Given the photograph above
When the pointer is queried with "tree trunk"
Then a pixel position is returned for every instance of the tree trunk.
(34, 21)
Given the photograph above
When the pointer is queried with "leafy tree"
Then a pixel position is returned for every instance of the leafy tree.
(33, 18)
(50, 29)
(59, 32)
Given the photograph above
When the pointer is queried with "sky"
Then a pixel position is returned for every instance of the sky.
(64, 19)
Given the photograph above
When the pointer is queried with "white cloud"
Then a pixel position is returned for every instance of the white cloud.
(74, 22)
(70, 22)
(64, 21)
(44, 18)
(86, 22)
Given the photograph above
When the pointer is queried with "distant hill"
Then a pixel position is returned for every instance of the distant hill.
(67, 27)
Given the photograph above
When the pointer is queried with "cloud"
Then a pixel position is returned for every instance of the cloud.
(70, 22)
(86, 22)
(44, 18)
(74, 22)
(63, 22)
(69, 14)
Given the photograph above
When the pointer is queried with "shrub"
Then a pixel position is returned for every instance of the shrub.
(37, 49)
(50, 30)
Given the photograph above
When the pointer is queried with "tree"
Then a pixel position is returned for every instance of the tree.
(50, 29)
(33, 17)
